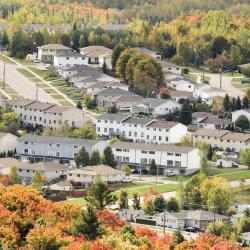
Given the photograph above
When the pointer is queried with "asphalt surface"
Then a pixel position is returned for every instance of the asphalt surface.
(22, 85)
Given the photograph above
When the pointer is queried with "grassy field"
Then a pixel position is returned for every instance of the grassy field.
(25, 72)
(136, 187)
(242, 196)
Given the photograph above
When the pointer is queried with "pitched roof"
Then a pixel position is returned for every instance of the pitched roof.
(95, 170)
(95, 50)
(40, 105)
(3, 134)
(59, 140)
(174, 93)
(237, 136)
(154, 102)
(201, 114)
(54, 46)
(137, 120)
(130, 98)
(48, 166)
(162, 124)
(11, 162)
(112, 117)
(156, 147)
(246, 236)
(20, 103)
(68, 53)
(210, 132)
(204, 215)
(215, 120)
(113, 92)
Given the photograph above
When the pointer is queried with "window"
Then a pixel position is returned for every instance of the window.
(142, 134)
(159, 138)
(125, 150)
(98, 129)
(177, 163)
(166, 138)
(170, 163)
(129, 133)
(50, 144)
(151, 152)
(78, 175)
(33, 151)
(25, 151)
(144, 151)
(58, 145)
(135, 133)
(105, 129)
(58, 154)
(20, 170)
(125, 159)
(27, 170)
(177, 154)
(118, 150)
(154, 137)
(26, 142)
(170, 154)
(118, 158)
(144, 160)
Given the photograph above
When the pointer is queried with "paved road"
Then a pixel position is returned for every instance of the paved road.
(22, 85)
(226, 84)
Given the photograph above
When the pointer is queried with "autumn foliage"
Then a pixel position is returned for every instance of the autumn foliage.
(28, 221)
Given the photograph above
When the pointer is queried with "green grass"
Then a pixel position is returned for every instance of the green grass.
(237, 175)
(65, 102)
(7, 60)
(24, 62)
(242, 196)
(42, 73)
(25, 72)
(58, 84)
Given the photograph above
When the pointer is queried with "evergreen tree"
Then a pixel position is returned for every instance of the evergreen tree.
(108, 157)
(136, 201)
(16, 45)
(172, 205)
(5, 39)
(75, 38)
(153, 168)
(203, 158)
(178, 237)
(185, 116)
(82, 158)
(209, 153)
(95, 158)
(79, 105)
(233, 104)
(242, 122)
(238, 104)
(65, 40)
(116, 53)
(159, 204)
(104, 68)
(83, 42)
(226, 103)
(100, 195)
(14, 177)
(88, 225)
(123, 199)
(245, 102)
(37, 180)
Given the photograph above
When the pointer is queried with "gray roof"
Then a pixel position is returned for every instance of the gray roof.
(20, 103)
(60, 140)
(113, 92)
(69, 53)
(153, 102)
(162, 124)
(156, 147)
(112, 117)
(137, 120)
(55, 46)
(169, 64)
(3, 134)
(215, 120)
(201, 114)
(204, 215)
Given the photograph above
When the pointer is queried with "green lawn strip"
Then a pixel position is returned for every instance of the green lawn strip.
(7, 60)
(65, 102)
(25, 72)
(57, 96)
(42, 73)
(24, 62)
(58, 84)
(236, 175)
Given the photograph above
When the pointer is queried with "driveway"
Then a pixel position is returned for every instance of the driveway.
(22, 85)
(226, 84)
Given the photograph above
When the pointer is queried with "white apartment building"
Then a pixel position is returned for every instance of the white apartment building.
(180, 160)
(47, 52)
(236, 114)
(156, 106)
(47, 114)
(170, 68)
(68, 59)
(140, 129)
(8, 142)
(182, 85)
(86, 175)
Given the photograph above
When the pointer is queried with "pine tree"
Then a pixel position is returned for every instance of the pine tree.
(88, 225)
(185, 114)
(245, 102)
(79, 105)
(37, 180)
(108, 157)
(172, 205)
(153, 168)
(100, 195)
(159, 204)
(136, 201)
(82, 158)
(104, 68)
(238, 104)
(14, 177)
(123, 199)
(226, 103)
(95, 158)
(116, 53)
(16, 45)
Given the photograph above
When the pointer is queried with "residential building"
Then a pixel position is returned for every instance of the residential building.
(8, 142)
(214, 122)
(130, 214)
(179, 95)
(126, 103)
(109, 96)
(177, 159)
(25, 170)
(51, 148)
(45, 114)
(170, 68)
(156, 106)
(189, 219)
(97, 55)
(86, 175)
(148, 52)
(68, 58)
(61, 186)
(180, 84)
(223, 139)
(228, 162)
(139, 129)
(47, 52)
(236, 114)
(199, 116)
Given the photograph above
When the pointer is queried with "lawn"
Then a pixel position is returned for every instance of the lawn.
(25, 72)
(24, 62)
(58, 84)
(136, 187)
(7, 60)
(242, 196)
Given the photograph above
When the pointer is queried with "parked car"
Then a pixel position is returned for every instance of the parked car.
(36, 60)
(127, 179)
(170, 173)
(47, 66)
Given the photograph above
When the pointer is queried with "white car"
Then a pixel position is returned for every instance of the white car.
(127, 179)
(47, 66)
(170, 173)
(36, 60)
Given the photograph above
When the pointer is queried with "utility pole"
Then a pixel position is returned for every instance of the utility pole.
(3, 73)
(220, 77)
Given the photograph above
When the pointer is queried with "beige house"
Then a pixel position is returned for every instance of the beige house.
(224, 139)
(47, 52)
(8, 142)
(86, 175)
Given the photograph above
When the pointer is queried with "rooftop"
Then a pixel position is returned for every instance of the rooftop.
(68, 53)
(201, 114)
(215, 120)
(20, 103)
(130, 98)
(237, 136)
(113, 92)
(154, 102)
(112, 117)
(137, 120)
(95, 50)
(162, 124)
(95, 170)
(210, 132)
(156, 147)
(174, 93)
(54, 46)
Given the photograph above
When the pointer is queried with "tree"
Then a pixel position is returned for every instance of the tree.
(172, 205)
(238, 104)
(14, 177)
(75, 37)
(87, 131)
(245, 71)
(108, 157)
(127, 170)
(245, 102)
(136, 201)
(38, 38)
(100, 195)
(11, 121)
(203, 150)
(123, 199)
(226, 103)
(220, 229)
(65, 40)
(243, 225)
(79, 105)
(220, 44)
(83, 41)
(16, 45)
(153, 168)
(104, 68)
(88, 225)
(37, 180)
(242, 122)
(159, 204)
(178, 237)
(185, 116)
(82, 158)
(95, 158)
(245, 157)
(186, 141)
(5, 39)
(116, 54)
